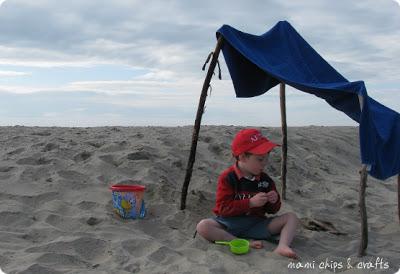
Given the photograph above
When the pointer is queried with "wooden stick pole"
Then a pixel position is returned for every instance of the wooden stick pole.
(363, 212)
(361, 201)
(197, 122)
(284, 140)
(398, 195)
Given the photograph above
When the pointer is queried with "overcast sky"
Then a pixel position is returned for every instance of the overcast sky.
(94, 63)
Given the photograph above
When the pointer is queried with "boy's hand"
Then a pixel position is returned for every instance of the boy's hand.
(259, 199)
(272, 196)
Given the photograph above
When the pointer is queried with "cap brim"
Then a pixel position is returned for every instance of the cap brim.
(263, 148)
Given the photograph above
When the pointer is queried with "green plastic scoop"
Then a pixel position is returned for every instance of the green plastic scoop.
(238, 246)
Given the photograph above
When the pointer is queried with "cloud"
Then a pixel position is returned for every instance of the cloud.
(179, 35)
(5, 73)
(45, 58)
(169, 41)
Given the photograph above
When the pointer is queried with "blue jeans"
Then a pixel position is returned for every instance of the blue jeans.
(251, 227)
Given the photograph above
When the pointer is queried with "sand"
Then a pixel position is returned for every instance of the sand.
(56, 214)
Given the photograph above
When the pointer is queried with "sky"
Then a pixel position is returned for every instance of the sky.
(134, 63)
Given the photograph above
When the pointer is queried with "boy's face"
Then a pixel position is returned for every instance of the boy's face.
(253, 163)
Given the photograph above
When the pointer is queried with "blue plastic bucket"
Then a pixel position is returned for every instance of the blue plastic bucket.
(128, 201)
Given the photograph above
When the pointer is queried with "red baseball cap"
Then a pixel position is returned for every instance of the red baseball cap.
(251, 140)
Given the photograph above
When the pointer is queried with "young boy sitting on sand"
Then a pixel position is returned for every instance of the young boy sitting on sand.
(244, 194)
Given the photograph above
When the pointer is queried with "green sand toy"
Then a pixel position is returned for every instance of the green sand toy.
(238, 246)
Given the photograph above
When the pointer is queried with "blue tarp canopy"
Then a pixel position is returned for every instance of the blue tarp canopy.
(258, 63)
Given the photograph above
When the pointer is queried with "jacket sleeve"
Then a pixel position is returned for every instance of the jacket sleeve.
(273, 208)
(225, 204)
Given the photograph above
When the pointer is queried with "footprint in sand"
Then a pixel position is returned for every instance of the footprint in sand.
(50, 147)
(64, 223)
(205, 139)
(87, 248)
(139, 155)
(95, 144)
(169, 142)
(6, 168)
(37, 268)
(72, 175)
(41, 199)
(82, 156)
(177, 163)
(16, 151)
(34, 173)
(37, 145)
(88, 205)
(93, 221)
(111, 159)
(62, 260)
(217, 149)
(132, 268)
(140, 247)
(16, 219)
(34, 161)
(114, 147)
(165, 255)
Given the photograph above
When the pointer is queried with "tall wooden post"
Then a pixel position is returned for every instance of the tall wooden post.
(398, 195)
(361, 200)
(284, 140)
(197, 122)
(363, 212)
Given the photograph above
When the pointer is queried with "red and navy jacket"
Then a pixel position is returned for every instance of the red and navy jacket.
(234, 192)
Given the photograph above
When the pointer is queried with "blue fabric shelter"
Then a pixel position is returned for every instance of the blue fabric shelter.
(258, 63)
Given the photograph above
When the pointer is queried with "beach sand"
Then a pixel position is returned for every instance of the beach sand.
(56, 213)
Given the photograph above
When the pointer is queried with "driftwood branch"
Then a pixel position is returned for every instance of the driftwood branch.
(363, 212)
(284, 140)
(197, 123)
(320, 225)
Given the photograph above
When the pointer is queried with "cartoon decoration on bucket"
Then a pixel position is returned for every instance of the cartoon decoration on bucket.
(128, 201)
